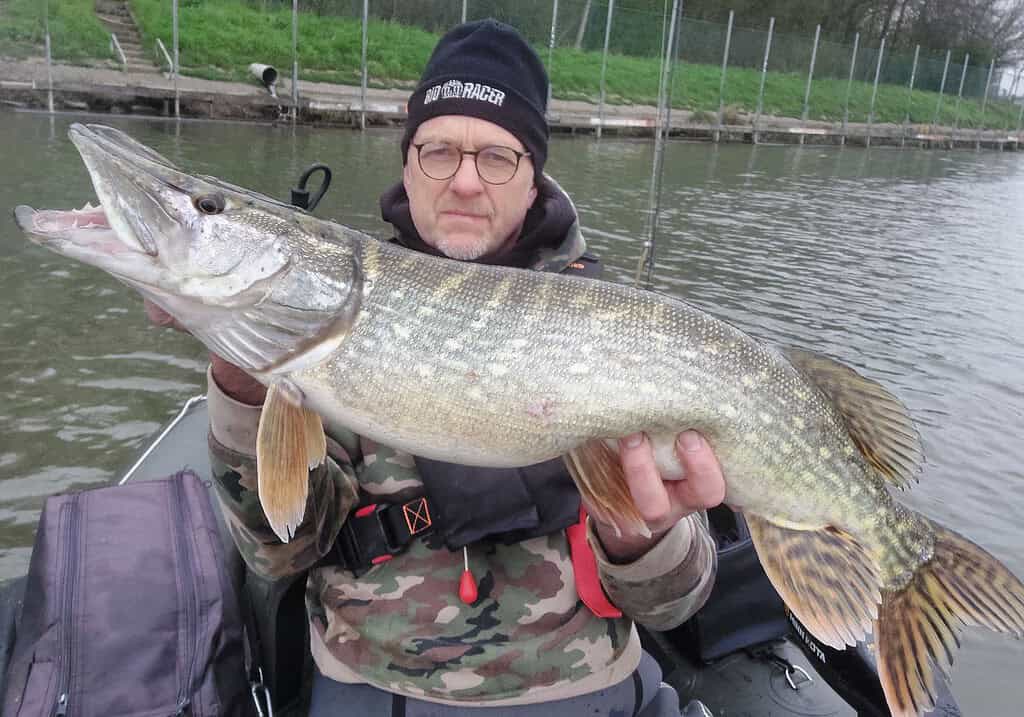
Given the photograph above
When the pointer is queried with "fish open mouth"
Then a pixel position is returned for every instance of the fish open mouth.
(86, 227)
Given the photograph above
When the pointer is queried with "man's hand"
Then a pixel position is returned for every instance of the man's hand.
(663, 503)
(232, 380)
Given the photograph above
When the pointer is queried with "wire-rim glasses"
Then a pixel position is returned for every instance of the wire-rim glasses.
(495, 164)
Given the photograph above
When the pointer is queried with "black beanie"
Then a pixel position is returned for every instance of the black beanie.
(485, 69)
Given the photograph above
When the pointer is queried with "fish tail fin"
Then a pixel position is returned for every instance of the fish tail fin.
(598, 474)
(290, 441)
(918, 626)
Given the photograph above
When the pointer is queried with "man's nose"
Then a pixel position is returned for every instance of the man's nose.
(466, 181)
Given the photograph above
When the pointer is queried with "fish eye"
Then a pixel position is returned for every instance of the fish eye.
(210, 203)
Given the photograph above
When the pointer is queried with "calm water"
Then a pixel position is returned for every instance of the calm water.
(908, 265)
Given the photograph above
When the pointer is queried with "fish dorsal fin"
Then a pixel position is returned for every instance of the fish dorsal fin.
(878, 422)
(290, 442)
(823, 576)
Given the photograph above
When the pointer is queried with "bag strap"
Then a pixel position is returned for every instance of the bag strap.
(261, 696)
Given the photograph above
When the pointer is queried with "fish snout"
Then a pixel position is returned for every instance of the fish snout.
(24, 217)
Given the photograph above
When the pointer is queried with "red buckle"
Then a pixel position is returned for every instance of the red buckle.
(366, 510)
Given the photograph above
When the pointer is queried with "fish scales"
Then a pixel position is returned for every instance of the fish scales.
(559, 362)
(456, 382)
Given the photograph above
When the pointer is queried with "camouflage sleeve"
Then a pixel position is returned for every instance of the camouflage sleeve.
(670, 582)
(332, 492)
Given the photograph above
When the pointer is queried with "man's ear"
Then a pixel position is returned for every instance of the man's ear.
(406, 175)
(532, 194)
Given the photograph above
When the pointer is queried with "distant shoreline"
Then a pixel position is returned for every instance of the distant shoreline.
(24, 85)
(330, 57)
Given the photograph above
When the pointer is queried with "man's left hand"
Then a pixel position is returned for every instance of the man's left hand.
(663, 503)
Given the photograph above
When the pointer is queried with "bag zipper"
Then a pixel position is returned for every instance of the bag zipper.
(68, 531)
(182, 526)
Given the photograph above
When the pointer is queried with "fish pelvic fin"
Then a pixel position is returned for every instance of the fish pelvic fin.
(598, 474)
(290, 441)
(877, 421)
(316, 439)
(824, 576)
(919, 626)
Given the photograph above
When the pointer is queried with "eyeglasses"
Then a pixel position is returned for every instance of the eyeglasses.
(494, 165)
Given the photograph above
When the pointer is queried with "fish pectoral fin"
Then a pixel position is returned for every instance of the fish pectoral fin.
(918, 626)
(877, 421)
(824, 576)
(290, 441)
(316, 439)
(598, 474)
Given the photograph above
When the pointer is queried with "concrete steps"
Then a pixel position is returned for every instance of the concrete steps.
(115, 16)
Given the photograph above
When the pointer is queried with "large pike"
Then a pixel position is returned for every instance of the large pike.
(503, 367)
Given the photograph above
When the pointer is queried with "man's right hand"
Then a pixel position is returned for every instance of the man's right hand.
(232, 380)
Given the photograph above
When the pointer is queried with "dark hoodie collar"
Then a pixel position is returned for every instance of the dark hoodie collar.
(550, 223)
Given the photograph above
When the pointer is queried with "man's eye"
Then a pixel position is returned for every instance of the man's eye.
(438, 151)
(497, 158)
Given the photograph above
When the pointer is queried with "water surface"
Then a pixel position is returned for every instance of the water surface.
(908, 265)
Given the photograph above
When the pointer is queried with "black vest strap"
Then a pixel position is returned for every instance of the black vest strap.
(506, 505)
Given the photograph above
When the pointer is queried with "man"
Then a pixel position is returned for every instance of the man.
(480, 608)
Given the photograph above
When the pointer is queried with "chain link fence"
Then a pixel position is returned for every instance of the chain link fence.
(599, 51)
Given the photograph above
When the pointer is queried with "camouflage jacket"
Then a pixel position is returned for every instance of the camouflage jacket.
(402, 627)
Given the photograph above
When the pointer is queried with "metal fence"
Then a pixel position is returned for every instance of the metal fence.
(606, 52)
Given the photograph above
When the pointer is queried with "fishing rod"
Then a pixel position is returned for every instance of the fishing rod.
(670, 51)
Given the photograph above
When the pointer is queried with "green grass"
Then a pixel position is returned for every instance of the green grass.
(219, 38)
(695, 88)
(76, 35)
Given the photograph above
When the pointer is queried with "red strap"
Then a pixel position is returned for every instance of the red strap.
(584, 564)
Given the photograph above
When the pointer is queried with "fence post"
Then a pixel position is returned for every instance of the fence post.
(874, 90)
(910, 97)
(551, 45)
(764, 76)
(942, 88)
(984, 102)
(464, 10)
(49, 62)
(604, 65)
(174, 70)
(849, 89)
(1020, 120)
(295, 60)
(721, 84)
(1016, 81)
(959, 95)
(49, 75)
(1011, 96)
(363, 84)
(810, 76)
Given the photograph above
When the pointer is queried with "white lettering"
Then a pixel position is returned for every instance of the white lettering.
(456, 89)
(451, 89)
(818, 652)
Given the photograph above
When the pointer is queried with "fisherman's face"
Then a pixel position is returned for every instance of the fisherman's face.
(464, 217)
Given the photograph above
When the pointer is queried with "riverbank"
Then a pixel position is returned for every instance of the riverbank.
(217, 42)
(26, 84)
